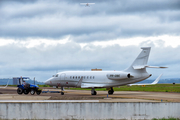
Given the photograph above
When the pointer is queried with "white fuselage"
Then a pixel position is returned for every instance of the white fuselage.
(104, 79)
(96, 79)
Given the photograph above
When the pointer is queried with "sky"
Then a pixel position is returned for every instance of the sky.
(39, 38)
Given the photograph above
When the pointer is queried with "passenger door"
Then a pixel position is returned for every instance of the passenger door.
(62, 77)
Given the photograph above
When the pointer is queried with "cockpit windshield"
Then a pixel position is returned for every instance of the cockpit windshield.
(55, 75)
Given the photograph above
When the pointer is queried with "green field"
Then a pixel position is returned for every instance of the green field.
(167, 119)
(152, 88)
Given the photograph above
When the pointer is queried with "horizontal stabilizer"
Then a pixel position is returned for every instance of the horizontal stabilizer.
(146, 66)
(156, 67)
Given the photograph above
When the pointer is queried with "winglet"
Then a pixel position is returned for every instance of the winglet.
(6, 85)
(157, 80)
(79, 83)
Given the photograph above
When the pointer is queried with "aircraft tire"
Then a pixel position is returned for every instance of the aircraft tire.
(19, 91)
(110, 92)
(62, 93)
(26, 91)
(32, 91)
(94, 93)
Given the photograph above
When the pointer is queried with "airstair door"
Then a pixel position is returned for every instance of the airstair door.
(62, 77)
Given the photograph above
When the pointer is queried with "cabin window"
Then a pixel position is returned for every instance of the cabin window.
(90, 77)
(78, 77)
(111, 75)
(87, 77)
(117, 75)
(93, 77)
(84, 77)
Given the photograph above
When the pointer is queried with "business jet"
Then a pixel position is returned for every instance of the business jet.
(87, 4)
(136, 72)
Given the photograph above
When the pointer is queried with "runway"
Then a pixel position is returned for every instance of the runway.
(10, 93)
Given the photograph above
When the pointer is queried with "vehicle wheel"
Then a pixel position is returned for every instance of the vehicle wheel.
(62, 93)
(26, 91)
(19, 91)
(38, 92)
(32, 92)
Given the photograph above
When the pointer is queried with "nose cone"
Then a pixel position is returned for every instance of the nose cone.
(47, 82)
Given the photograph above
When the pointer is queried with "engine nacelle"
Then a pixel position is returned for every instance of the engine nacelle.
(119, 76)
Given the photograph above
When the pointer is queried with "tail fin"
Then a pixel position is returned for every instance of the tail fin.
(141, 61)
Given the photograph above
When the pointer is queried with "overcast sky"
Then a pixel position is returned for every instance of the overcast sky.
(40, 37)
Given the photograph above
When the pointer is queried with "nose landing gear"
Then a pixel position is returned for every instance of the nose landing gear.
(62, 89)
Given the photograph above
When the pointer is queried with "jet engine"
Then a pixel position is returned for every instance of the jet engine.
(119, 76)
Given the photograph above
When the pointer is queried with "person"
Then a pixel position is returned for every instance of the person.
(24, 82)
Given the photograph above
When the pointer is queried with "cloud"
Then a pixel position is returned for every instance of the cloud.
(43, 61)
(38, 38)
(106, 20)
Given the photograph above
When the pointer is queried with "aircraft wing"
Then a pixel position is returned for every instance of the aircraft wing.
(6, 85)
(153, 83)
(87, 3)
(91, 85)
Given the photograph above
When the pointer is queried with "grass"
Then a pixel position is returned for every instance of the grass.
(166, 119)
(150, 88)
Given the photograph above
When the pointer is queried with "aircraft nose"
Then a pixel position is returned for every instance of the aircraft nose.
(47, 82)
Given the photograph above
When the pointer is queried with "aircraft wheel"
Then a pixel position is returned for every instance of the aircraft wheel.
(62, 93)
(110, 92)
(26, 91)
(19, 91)
(32, 92)
(94, 93)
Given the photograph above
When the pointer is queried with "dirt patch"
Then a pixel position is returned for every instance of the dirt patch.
(86, 95)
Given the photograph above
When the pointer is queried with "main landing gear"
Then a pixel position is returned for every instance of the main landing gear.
(93, 92)
(111, 91)
(62, 89)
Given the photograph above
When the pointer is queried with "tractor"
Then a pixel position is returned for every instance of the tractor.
(26, 87)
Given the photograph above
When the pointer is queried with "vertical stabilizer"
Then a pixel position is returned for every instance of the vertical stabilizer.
(141, 61)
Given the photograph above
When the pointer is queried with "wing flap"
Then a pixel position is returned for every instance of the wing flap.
(90, 85)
